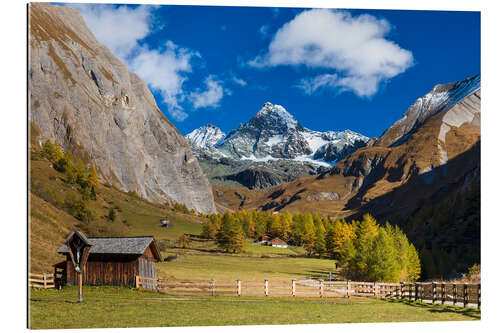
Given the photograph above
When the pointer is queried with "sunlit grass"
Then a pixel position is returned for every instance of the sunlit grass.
(124, 307)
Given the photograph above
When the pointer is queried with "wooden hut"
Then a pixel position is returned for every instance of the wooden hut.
(113, 261)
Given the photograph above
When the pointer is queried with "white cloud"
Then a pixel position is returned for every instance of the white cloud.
(165, 71)
(119, 28)
(239, 81)
(211, 97)
(353, 51)
(311, 85)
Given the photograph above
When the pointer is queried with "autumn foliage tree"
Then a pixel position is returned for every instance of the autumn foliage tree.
(231, 237)
(184, 241)
(364, 249)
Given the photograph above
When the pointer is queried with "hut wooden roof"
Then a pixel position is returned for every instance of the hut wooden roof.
(119, 245)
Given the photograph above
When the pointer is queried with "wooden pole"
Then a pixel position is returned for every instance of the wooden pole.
(479, 296)
(293, 287)
(466, 292)
(44, 281)
(375, 287)
(212, 286)
(238, 283)
(348, 288)
(454, 294)
(321, 291)
(434, 292)
(137, 282)
(443, 293)
(266, 287)
(80, 287)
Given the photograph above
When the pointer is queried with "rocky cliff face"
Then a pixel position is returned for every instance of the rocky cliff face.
(81, 95)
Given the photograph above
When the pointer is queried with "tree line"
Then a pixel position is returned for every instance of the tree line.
(364, 249)
(76, 173)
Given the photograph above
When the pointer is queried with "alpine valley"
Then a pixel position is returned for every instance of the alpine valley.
(422, 174)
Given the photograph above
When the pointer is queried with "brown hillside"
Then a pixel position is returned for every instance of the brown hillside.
(50, 220)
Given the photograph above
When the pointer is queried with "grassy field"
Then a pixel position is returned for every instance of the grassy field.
(123, 307)
(227, 267)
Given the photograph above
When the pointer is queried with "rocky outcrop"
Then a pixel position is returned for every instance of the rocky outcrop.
(332, 152)
(255, 178)
(81, 95)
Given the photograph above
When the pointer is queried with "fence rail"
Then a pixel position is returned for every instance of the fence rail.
(44, 281)
(429, 292)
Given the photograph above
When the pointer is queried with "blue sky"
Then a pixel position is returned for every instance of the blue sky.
(332, 69)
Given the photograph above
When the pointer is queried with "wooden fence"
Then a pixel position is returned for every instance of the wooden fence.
(432, 292)
(44, 281)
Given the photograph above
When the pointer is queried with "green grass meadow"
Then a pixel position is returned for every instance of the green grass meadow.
(125, 307)
(227, 267)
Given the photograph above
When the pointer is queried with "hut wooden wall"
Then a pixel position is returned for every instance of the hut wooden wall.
(148, 253)
(105, 272)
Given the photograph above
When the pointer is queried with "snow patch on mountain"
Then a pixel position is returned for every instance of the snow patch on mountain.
(278, 114)
(274, 140)
(205, 136)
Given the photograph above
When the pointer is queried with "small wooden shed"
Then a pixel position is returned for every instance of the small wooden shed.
(113, 261)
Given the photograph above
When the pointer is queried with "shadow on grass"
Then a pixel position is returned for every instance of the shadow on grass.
(439, 308)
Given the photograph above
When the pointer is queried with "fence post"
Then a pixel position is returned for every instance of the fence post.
(454, 294)
(375, 287)
(466, 294)
(238, 284)
(212, 286)
(479, 296)
(137, 282)
(293, 287)
(348, 288)
(266, 287)
(416, 292)
(434, 291)
(44, 281)
(443, 293)
(321, 291)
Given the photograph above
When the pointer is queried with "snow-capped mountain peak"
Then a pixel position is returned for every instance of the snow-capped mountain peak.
(274, 115)
(206, 136)
(273, 133)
